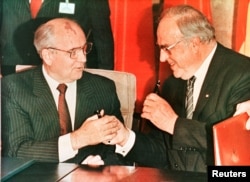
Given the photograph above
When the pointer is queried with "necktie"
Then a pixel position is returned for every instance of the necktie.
(63, 111)
(189, 97)
(35, 6)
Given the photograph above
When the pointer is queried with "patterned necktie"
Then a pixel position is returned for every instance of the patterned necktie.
(189, 97)
(63, 111)
(35, 6)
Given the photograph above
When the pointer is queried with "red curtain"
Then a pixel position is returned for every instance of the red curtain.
(241, 27)
(202, 5)
(132, 25)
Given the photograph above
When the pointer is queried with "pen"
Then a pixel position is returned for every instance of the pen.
(98, 112)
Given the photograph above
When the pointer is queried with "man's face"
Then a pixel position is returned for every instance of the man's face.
(179, 54)
(64, 66)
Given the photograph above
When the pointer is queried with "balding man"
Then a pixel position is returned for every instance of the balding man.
(30, 118)
(208, 82)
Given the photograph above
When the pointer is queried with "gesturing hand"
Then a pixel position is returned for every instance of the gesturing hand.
(159, 112)
(94, 131)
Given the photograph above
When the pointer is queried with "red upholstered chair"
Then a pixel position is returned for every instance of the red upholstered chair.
(232, 141)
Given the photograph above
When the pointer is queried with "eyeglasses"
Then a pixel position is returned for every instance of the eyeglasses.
(168, 48)
(73, 53)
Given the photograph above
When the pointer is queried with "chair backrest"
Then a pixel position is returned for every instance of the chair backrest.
(126, 90)
(232, 141)
(125, 87)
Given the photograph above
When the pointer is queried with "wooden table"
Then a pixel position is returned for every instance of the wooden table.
(64, 172)
(131, 174)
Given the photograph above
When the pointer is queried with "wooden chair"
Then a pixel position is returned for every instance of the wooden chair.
(126, 90)
(232, 141)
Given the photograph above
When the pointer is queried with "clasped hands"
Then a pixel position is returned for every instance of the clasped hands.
(94, 131)
(156, 110)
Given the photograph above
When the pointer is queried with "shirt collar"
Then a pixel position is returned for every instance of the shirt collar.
(201, 72)
(52, 82)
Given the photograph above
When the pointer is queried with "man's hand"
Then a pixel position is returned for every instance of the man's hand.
(159, 112)
(244, 107)
(121, 137)
(94, 131)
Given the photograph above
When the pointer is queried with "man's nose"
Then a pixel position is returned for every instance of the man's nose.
(81, 57)
(163, 56)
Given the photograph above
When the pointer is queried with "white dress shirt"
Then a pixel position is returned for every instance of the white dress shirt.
(65, 150)
(200, 75)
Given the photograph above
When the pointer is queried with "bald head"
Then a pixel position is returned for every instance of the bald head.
(56, 41)
(57, 31)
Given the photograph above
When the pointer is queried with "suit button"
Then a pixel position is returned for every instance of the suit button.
(176, 165)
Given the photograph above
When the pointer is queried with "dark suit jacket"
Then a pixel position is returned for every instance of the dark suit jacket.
(18, 29)
(30, 123)
(191, 148)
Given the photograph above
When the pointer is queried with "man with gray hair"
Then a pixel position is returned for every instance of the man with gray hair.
(48, 112)
(208, 81)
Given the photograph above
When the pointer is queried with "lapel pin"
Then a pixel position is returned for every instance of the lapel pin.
(207, 95)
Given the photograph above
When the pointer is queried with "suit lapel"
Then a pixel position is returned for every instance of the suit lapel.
(209, 82)
(44, 99)
(84, 99)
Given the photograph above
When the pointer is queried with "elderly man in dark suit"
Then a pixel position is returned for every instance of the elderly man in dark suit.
(183, 138)
(18, 27)
(31, 100)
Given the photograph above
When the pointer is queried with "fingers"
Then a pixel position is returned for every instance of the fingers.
(120, 138)
(243, 107)
(108, 124)
(94, 131)
(151, 102)
(153, 97)
(107, 127)
(238, 109)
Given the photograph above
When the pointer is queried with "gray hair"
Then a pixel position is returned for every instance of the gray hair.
(44, 36)
(191, 22)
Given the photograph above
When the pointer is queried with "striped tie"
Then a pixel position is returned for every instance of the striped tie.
(189, 97)
(63, 111)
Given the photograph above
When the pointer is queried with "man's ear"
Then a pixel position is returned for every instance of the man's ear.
(195, 44)
(45, 54)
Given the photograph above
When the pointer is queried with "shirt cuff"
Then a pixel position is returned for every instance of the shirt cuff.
(123, 150)
(65, 150)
